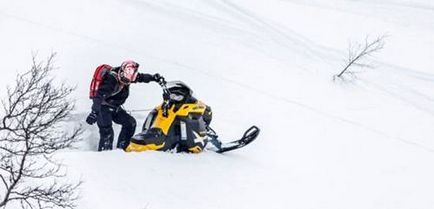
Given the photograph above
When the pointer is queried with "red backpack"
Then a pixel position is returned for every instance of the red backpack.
(97, 79)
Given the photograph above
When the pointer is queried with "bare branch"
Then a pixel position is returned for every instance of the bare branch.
(33, 111)
(358, 52)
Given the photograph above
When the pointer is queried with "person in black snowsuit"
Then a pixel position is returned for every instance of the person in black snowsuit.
(107, 104)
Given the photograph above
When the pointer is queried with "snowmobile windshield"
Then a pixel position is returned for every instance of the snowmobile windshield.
(179, 88)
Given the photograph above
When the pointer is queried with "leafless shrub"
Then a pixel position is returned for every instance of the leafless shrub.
(30, 133)
(358, 52)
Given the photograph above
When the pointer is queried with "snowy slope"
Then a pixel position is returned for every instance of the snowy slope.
(364, 144)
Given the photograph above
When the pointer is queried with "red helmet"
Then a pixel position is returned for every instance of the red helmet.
(128, 71)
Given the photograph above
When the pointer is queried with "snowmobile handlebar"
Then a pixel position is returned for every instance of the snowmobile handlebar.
(162, 82)
(166, 92)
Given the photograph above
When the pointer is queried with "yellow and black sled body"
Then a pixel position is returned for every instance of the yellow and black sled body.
(181, 127)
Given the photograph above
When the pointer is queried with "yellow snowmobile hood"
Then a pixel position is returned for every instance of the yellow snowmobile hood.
(164, 123)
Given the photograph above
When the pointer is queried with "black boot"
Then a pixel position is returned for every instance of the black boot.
(106, 139)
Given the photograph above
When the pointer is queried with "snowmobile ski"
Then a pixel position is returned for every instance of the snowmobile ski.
(221, 147)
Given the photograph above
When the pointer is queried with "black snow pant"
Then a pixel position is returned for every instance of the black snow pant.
(119, 116)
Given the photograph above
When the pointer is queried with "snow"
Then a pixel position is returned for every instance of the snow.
(364, 144)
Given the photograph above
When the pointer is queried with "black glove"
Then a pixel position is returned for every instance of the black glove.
(158, 78)
(92, 118)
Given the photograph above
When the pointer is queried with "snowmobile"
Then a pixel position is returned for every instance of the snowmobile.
(182, 124)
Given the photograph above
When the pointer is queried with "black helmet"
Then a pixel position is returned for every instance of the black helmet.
(179, 91)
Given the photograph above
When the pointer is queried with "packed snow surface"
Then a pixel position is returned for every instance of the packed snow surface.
(366, 143)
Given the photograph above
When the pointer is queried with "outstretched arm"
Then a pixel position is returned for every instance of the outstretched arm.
(146, 78)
